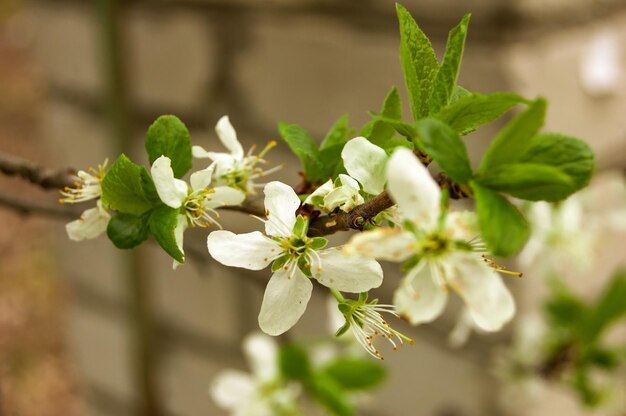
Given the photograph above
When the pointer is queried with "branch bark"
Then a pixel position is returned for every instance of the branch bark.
(37, 175)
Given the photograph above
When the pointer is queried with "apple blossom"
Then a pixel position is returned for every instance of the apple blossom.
(438, 251)
(235, 168)
(295, 258)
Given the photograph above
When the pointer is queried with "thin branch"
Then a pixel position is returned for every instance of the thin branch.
(38, 175)
(353, 220)
(25, 206)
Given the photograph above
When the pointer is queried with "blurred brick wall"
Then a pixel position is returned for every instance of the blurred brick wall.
(306, 62)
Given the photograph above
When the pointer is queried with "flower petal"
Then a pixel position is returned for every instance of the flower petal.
(421, 296)
(202, 178)
(199, 152)
(251, 251)
(91, 224)
(172, 191)
(261, 352)
(232, 389)
(354, 274)
(228, 137)
(179, 232)
(321, 191)
(489, 301)
(417, 194)
(286, 296)
(225, 195)
(349, 182)
(391, 244)
(366, 163)
(281, 203)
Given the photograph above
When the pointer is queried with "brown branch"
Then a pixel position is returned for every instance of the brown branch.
(38, 175)
(353, 220)
(25, 206)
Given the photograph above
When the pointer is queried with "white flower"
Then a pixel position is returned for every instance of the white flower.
(88, 187)
(91, 224)
(343, 193)
(438, 251)
(235, 169)
(600, 66)
(261, 393)
(296, 259)
(198, 203)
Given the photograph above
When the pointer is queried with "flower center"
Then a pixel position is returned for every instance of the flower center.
(197, 210)
(435, 245)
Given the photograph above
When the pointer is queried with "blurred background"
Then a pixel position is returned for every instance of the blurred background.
(88, 330)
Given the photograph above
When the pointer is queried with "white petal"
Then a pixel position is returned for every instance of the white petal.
(321, 191)
(417, 194)
(228, 136)
(489, 301)
(366, 163)
(261, 352)
(202, 178)
(251, 251)
(391, 244)
(281, 203)
(285, 300)
(232, 389)
(349, 182)
(421, 296)
(91, 224)
(570, 215)
(462, 330)
(172, 191)
(354, 274)
(199, 152)
(342, 197)
(179, 232)
(225, 195)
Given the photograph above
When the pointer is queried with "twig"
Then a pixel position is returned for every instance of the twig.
(42, 177)
(25, 206)
(355, 219)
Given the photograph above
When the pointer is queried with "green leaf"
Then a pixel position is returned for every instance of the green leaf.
(395, 142)
(300, 143)
(392, 108)
(572, 156)
(610, 307)
(515, 138)
(445, 146)
(293, 362)
(127, 230)
(163, 221)
(564, 309)
(449, 70)
(355, 373)
(458, 92)
(406, 129)
(337, 133)
(503, 227)
(330, 395)
(471, 111)
(126, 189)
(419, 63)
(529, 181)
(168, 136)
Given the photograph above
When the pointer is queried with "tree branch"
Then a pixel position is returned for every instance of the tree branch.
(25, 206)
(353, 220)
(42, 177)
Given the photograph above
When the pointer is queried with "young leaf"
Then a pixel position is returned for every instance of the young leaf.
(381, 131)
(458, 92)
(395, 142)
(406, 129)
(471, 111)
(449, 70)
(337, 133)
(355, 373)
(293, 362)
(446, 147)
(503, 227)
(127, 230)
(163, 221)
(330, 395)
(168, 136)
(529, 181)
(305, 148)
(419, 63)
(125, 189)
(610, 307)
(572, 156)
(515, 138)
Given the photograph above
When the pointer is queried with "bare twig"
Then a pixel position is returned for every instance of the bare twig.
(25, 206)
(42, 177)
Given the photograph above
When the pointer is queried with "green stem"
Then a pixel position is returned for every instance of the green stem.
(337, 294)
